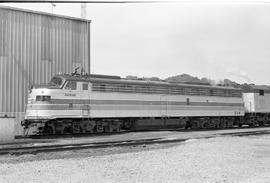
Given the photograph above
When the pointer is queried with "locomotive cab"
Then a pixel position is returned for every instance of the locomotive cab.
(40, 97)
(61, 93)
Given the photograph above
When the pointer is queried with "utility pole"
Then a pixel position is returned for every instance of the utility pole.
(53, 5)
(83, 11)
(84, 16)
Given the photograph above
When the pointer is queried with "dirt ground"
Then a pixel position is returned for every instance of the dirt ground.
(220, 159)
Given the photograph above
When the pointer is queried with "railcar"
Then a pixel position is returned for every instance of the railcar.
(256, 100)
(98, 103)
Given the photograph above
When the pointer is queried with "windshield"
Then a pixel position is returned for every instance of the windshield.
(56, 81)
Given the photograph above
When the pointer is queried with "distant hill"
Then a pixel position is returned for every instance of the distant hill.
(227, 82)
(188, 79)
(143, 78)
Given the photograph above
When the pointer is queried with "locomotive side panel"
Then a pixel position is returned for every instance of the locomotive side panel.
(113, 105)
(156, 105)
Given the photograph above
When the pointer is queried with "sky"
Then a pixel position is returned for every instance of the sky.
(220, 40)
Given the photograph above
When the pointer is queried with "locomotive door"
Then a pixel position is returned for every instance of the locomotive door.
(85, 96)
(72, 95)
(163, 105)
(85, 110)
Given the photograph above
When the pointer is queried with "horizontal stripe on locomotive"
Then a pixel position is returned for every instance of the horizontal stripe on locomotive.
(136, 102)
(49, 114)
(131, 107)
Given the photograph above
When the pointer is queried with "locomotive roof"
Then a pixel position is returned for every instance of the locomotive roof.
(255, 88)
(260, 87)
(118, 79)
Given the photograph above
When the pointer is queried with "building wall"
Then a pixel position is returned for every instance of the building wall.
(6, 130)
(35, 46)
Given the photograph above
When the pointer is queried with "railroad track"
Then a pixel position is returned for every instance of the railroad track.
(56, 136)
(241, 134)
(79, 146)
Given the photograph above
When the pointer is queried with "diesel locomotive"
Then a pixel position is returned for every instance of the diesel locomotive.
(78, 103)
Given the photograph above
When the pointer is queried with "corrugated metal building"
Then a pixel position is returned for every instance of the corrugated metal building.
(34, 46)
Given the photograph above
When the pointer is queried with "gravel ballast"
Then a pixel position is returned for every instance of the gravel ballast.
(221, 159)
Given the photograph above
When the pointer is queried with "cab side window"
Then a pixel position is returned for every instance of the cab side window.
(261, 92)
(85, 86)
(71, 85)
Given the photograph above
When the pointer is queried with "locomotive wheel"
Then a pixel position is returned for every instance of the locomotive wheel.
(261, 123)
(206, 124)
(107, 129)
(48, 130)
(223, 124)
(252, 123)
(188, 125)
(117, 129)
(229, 124)
(89, 128)
(99, 127)
(194, 125)
(67, 130)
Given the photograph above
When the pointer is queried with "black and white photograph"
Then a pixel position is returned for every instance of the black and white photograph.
(141, 91)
